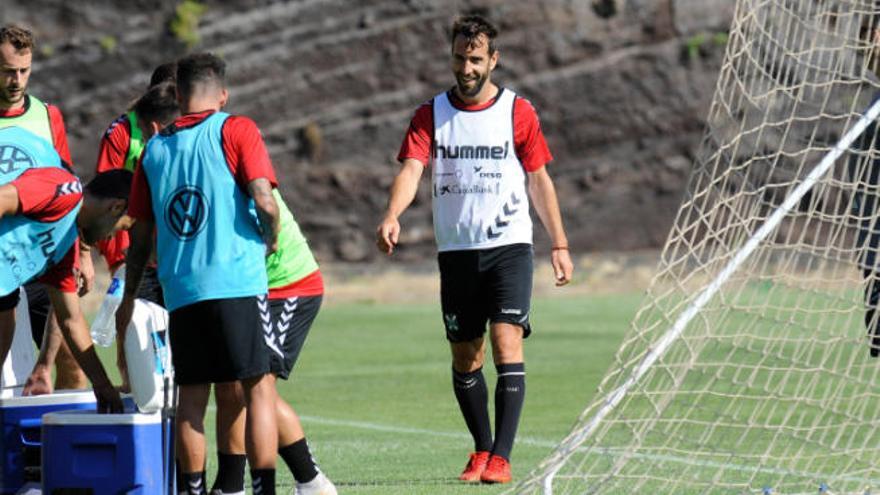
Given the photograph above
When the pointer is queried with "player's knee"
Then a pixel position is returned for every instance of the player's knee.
(229, 396)
(260, 388)
(466, 361)
(507, 345)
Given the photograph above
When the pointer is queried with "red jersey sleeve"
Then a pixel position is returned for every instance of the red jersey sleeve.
(47, 194)
(531, 147)
(246, 152)
(420, 135)
(111, 156)
(59, 134)
(62, 275)
(140, 203)
(114, 145)
(113, 249)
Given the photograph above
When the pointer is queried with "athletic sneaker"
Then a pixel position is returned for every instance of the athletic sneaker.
(321, 485)
(497, 471)
(475, 467)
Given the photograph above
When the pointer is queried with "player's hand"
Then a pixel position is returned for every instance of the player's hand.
(86, 274)
(122, 365)
(109, 401)
(562, 266)
(39, 382)
(387, 235)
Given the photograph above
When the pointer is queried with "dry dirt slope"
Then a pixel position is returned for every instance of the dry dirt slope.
(621, 85)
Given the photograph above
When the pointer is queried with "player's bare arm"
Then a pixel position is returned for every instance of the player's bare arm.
(9, 203)
(403, 192)
(543, 195)
(86, 275)
(40, 380)
(76, 331)
(267, 210)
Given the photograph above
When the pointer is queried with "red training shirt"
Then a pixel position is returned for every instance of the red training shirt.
(246, 157)
(111, 156)
(56, 124)
(42, 198)
(528, 139)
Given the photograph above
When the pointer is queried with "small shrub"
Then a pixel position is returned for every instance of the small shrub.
(185, 23)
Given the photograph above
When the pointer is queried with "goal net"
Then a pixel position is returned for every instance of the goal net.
(748, 368)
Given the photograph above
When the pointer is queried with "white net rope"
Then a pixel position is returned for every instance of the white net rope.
(769, 385)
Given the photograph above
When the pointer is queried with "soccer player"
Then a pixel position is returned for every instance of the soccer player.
(296, 288)
(865, 172)
(205, 184)
(42, 209)
(120, 149)
(488, 156)
(20, 108)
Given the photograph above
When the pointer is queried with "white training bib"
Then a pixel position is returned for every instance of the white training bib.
(479, 184)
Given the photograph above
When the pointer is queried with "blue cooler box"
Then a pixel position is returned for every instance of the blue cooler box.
(102, 453)
(21, 419)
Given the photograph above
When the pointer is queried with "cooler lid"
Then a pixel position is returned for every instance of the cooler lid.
(59, 397)
(89, 417)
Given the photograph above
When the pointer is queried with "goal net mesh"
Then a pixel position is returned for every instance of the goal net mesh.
(770, 387)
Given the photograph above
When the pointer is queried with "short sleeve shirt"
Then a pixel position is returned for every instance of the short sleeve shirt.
(43, 198)
(244, 149)
(529, 143)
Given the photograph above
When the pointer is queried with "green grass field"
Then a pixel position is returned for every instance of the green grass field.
(373, 388)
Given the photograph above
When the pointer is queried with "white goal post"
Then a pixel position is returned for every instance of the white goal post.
(747, 369)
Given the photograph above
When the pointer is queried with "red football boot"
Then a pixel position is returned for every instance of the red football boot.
(497, 471)
(475, 467)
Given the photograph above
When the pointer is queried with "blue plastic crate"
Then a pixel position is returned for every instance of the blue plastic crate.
(21, 420)
(103, 453)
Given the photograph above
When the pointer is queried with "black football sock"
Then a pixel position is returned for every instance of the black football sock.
(510, 393)
(192, 483)
(473, 399)
(299, 460)
(263, 481)
(230, 473)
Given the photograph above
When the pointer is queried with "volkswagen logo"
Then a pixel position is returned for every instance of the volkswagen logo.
(186, 212)
(13, 159)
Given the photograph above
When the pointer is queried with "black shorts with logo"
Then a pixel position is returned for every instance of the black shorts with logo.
(485, 285)
(220, 340)
(291, 321)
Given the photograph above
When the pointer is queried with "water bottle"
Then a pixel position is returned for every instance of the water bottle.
(104, 325)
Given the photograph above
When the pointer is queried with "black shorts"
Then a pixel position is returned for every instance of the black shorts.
(9, 301)
(151, 289)
(291, 320)
(485, 285)
(220, 340)
(38, 309)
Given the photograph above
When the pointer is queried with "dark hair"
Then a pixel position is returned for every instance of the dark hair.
(471, 27)
(158, 104)
(114, 183)
(197, 69)
(166, 72)
(19, 37)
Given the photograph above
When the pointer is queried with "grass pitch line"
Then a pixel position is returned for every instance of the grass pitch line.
(543, 443)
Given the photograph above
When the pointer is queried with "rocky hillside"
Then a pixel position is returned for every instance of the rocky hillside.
(622, 88)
